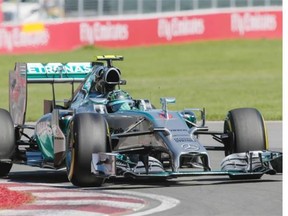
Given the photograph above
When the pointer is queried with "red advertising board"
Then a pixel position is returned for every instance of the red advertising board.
(48, 37)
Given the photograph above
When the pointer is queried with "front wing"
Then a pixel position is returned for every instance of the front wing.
(249, 165)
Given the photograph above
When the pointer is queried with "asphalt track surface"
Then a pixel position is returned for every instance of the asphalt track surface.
(199, 196)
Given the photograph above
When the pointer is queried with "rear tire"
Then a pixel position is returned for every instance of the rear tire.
(88, 134)
(247, 129)
(7, 141)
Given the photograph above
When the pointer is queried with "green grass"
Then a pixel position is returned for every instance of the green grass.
(217, 75)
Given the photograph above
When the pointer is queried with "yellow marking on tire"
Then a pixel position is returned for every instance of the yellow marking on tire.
(71, 170)
(265, 134)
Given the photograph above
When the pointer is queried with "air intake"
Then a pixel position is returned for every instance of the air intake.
(112, 76)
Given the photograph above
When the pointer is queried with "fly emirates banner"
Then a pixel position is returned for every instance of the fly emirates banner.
(174, 28)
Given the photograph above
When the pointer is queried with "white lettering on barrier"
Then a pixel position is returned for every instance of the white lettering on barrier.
(177, 27)
(103, 32)
(253, 22)
(15, 38)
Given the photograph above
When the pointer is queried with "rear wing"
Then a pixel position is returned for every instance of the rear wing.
(57, 72)
(25, 73)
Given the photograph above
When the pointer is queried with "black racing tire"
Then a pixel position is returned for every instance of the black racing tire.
(247, 131)
(7, 141)
(5, 168)
(88, 133)
(277, 164)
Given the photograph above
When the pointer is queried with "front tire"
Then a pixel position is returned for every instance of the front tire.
(7, 141)
(5, 168)
(246, 129)
(88, 134)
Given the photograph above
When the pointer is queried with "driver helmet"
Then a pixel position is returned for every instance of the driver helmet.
(119, 100)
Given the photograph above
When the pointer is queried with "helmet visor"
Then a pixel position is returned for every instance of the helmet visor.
(121, 105)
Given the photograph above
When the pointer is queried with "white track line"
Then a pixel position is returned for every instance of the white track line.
(166, 202)
(126, 205)
(29, 188)
(62, 194)
(48, 213)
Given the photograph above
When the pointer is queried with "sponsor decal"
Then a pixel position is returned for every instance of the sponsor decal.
(183, 139)
(247, 22)
(179, 129)
(191, 147)
(177, 27)
(59, 140)
(106, 31)
(44, 128)
(163, 116)
(33, 35)
(36, 68)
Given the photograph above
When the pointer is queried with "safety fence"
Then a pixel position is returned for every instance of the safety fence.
(19, 11)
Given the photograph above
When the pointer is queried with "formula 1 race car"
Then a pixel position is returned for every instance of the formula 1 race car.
(102, 132)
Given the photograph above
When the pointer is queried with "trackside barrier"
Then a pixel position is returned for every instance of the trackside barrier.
(147, 30)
